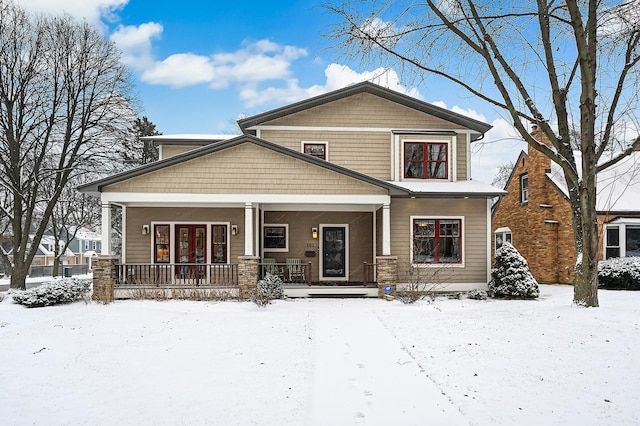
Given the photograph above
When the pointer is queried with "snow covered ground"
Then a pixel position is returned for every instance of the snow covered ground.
(323, 362)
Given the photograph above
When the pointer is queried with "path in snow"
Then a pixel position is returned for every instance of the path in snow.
(356, 385)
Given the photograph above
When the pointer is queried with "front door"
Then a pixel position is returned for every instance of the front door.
(334, 252)
(191, 250)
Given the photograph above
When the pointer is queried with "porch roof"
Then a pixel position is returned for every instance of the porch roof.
(96, 188)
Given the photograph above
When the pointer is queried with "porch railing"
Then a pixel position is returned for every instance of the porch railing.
(369, 271)
(177, 274)
(289, 273)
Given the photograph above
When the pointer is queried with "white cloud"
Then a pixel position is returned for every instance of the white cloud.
(500, 145)
(135, 44)
(94, 11)
(337, 77)
(180, 70)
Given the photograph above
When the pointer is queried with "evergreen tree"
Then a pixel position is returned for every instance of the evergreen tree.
(510, 277)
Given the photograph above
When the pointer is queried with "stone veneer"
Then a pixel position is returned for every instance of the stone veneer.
(247, 275)
(387, 273)
(104, 278)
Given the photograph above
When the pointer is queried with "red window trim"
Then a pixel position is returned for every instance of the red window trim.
(425, 161)
(437, 237)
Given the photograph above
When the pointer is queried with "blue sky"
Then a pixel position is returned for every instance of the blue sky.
(199, 65)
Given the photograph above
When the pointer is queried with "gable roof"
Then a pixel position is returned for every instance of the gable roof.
(374, 89)
(94, 188)
(618, 186)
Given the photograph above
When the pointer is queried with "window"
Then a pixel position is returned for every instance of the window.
(219, 243)
(524, 188)
(276, 237)
(622, 241)
(315, 149)
(425, 160)
(161, 244)
(86, 245)
(503, 235)
(437, 241)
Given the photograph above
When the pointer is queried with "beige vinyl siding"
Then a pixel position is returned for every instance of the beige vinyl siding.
(168, 151)
(364, 152)
(139, 249)
(246, 169)
(301, 241)
(461, 155)
(474, 213)
(363, 110)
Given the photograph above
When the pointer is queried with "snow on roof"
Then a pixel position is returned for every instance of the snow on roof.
(87, 234)
(470, 187)
(618, 186)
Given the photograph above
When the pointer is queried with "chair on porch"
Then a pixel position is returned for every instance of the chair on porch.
(270, 267)
(296, 270)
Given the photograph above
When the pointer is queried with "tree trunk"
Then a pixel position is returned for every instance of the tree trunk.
(19, 277)
(55, 271)
(585, 289)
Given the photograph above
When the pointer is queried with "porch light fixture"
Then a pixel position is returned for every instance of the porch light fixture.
(234, 229)
(145, 229)
(314, 233)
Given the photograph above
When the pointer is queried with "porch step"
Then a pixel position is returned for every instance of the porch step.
(338, 296)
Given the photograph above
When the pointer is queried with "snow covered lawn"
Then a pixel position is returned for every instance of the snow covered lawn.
(324, 362)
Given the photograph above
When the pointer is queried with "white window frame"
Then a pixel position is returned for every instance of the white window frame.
(622, 236)
(442, 264)
(286, 237)
(326, 148)
(172, 232)
(503, 233)
(524, 192)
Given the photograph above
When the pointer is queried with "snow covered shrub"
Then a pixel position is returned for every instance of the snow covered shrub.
(477, 294)
(269, 288)
(63, 290)
(619, 273)
(510, 277)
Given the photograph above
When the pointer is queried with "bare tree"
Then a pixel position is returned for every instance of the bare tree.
(64, 101)
(542, 62)
(502, 176)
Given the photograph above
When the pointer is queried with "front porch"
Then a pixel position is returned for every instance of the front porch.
(137, 279)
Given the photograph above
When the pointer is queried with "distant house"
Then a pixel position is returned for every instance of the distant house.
(86, 245)
(330, 193)
(536, 215)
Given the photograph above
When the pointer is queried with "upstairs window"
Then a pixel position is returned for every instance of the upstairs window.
(315, 149)
(524, 188)
(425, 160)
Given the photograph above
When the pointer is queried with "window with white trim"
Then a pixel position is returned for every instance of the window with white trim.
(426, 160)
(275, 237)
(524, 188)
(316, 149)
(622, 240)
(436, 241)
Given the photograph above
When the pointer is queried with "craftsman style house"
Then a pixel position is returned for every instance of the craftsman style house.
(329, 193)
(536, 215)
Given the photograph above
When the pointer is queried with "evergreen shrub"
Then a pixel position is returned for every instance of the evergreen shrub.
(62, 290)
(510, 277)
(619, 273)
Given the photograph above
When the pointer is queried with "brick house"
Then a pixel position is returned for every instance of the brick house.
(343, 193)
(535, 215)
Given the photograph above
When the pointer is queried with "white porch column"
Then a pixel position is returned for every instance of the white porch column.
(106, 229)
(248, 229)
(386, 230)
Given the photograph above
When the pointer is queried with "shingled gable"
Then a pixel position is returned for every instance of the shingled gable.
(374, 89)
(96, 187)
